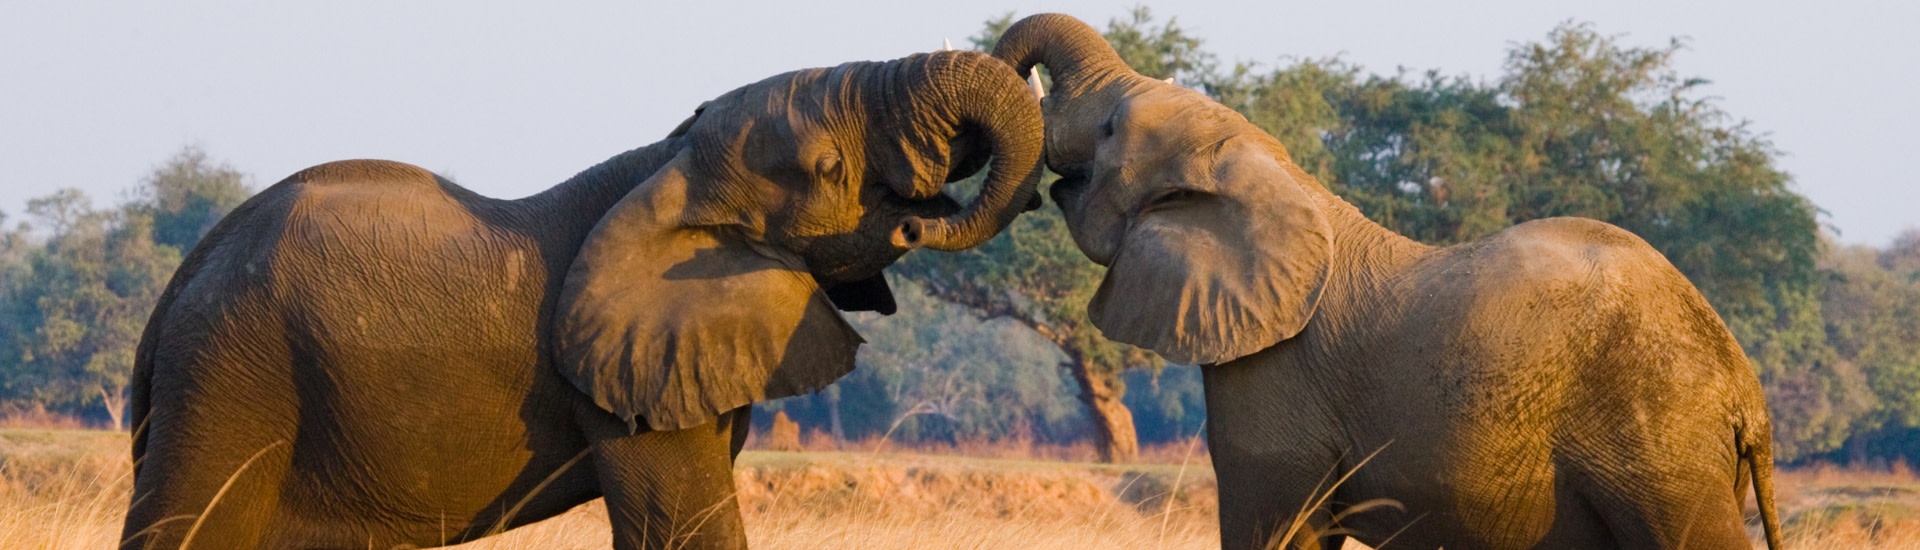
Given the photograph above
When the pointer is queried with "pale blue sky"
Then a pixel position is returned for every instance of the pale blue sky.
(509, 99)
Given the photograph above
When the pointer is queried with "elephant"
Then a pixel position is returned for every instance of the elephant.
(368, 355)
(1558, 384)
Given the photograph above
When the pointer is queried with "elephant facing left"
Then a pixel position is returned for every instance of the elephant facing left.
(367, 355)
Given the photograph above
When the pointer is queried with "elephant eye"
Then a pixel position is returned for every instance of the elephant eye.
(1171, 197)
(827, 167)
(1106, 128)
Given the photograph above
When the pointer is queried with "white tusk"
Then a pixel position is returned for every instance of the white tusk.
(1033, 80)
(946, 45)
(1169, 80)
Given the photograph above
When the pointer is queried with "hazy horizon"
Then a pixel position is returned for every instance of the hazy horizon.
(511, 100)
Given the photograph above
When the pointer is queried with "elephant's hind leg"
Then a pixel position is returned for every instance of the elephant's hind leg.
(1669, 512)
(217, 457)
(670, 489)
(192, 497)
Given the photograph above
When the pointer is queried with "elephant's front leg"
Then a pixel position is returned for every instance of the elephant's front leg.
(1273, 447)
(1261, 500)
(671, 489)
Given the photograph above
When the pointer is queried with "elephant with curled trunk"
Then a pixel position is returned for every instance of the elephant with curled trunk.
(1555, 385)
(367, 355)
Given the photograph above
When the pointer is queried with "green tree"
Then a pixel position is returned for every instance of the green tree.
(77, 312)
(1158, 51)
(15, 246)
(1033, 275)
(1903, 256)
(187, 194)
(73, 306)
(1428, 158)
(935, 372)
(1872, 317)
(1870, 303)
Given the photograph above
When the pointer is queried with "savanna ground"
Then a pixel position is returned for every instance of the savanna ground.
(63, 488)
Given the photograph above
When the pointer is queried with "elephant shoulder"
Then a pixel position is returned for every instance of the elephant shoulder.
(353, 196)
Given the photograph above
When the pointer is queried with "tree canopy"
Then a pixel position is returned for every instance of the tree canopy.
(80, 282)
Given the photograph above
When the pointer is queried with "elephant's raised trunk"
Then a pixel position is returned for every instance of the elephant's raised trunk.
(1076, 56)
(959, 93)
(1088, 80)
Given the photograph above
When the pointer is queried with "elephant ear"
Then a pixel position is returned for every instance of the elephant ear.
(673, 324)
(1219, 270)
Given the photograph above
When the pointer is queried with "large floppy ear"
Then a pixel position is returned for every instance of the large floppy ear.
(675, 324)
(1222, 269)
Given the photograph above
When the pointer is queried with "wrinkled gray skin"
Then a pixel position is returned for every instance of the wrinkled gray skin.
(1556, 385)
(367, 355)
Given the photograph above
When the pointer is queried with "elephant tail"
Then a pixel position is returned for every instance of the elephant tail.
(1757, 440)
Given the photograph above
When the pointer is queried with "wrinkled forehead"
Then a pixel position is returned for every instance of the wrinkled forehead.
(1166, 126)
(1167, 111)
(1139, 112)
(766, 114)
(809, 92)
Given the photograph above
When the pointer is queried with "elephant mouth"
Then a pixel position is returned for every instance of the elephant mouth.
(1066, 188)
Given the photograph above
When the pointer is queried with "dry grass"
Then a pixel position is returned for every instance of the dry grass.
(36, 417)
(62, 489)
(1829, 507)
(67, 489)
(859, 500)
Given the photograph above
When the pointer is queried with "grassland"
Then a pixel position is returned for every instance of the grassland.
(64, 489)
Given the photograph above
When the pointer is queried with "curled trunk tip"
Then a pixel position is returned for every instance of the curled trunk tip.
(984, 94)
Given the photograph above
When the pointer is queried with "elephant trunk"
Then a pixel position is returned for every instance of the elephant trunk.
(1076, 56)
(958, 93)
(1089, 79)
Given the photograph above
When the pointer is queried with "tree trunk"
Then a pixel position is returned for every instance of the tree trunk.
(833, 414)
(1113, 434)
(116, 405)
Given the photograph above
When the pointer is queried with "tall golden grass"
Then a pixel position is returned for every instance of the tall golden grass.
(63, 489)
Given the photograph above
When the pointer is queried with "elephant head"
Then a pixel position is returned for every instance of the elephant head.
(1217, 245)
(701, 290)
